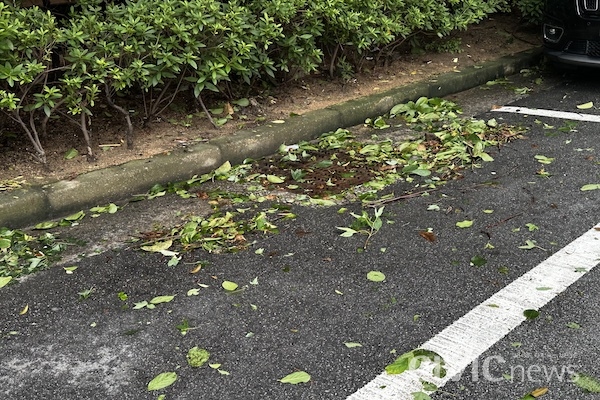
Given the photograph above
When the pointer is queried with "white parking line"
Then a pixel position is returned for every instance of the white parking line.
(470, 336)
(549, 113)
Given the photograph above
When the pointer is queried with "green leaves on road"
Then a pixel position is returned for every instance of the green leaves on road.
(295, 378)
(591, 186)
(66, 221)
(197, 357)
(531, 314)
(543, 159)
(375, 276)
(153, 302)
(585, 106)
(586, 382)
(275, 179)
(22, 253)
(478, 261)
(364, 224)
(229, 286)
(162, 381)
(413, 359)
(352, 345)
(464, 224)
(5, 280)
(158, 247)
(531, 244)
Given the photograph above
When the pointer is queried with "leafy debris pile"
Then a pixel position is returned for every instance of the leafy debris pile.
(21, 253)
(337, 162)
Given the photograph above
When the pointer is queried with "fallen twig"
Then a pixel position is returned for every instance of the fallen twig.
(503, 220)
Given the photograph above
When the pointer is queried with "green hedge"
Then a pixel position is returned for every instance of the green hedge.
(51, 68)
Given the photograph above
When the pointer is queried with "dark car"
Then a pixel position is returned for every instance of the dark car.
(572, 32)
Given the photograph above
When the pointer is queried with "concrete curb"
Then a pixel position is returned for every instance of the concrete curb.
(26, 206)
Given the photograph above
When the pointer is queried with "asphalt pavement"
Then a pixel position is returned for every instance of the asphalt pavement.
(306, 303)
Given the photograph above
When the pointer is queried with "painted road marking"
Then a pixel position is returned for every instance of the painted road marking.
(549, 113)
(470, 336)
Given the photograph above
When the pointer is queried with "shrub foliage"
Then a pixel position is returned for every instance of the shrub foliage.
(55, 67)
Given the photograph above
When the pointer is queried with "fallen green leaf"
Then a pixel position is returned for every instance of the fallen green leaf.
(586, 106)
(420, 396)
(529, 244)
(412, 360)
(464, 224)
(173, 261)
(531, 314)
(296, 377)
(140, 305)
(46, 225)
(586, 382)
(161, 299)
(375, 276)
(351, 345)
(532, 227)
(275, 179)
(591, 186)
(70, 270)
(71, 153)
(229, 286)
(223, 169)
(428, 386)
(162, 381)
(84, 294)
(197, 357)
(543, 159)
(158, 246)
(347, 232)
(421, 172)
(4, 281)
(75, 217)
(478, 261)
(244, 102)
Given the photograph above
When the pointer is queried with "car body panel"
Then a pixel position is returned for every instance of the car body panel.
(571, 32)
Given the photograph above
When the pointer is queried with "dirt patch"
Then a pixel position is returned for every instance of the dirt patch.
(319, 176)
(184, 124)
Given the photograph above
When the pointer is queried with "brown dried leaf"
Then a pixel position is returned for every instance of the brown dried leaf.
(197, 269)
(429, 236)
(539, 392)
